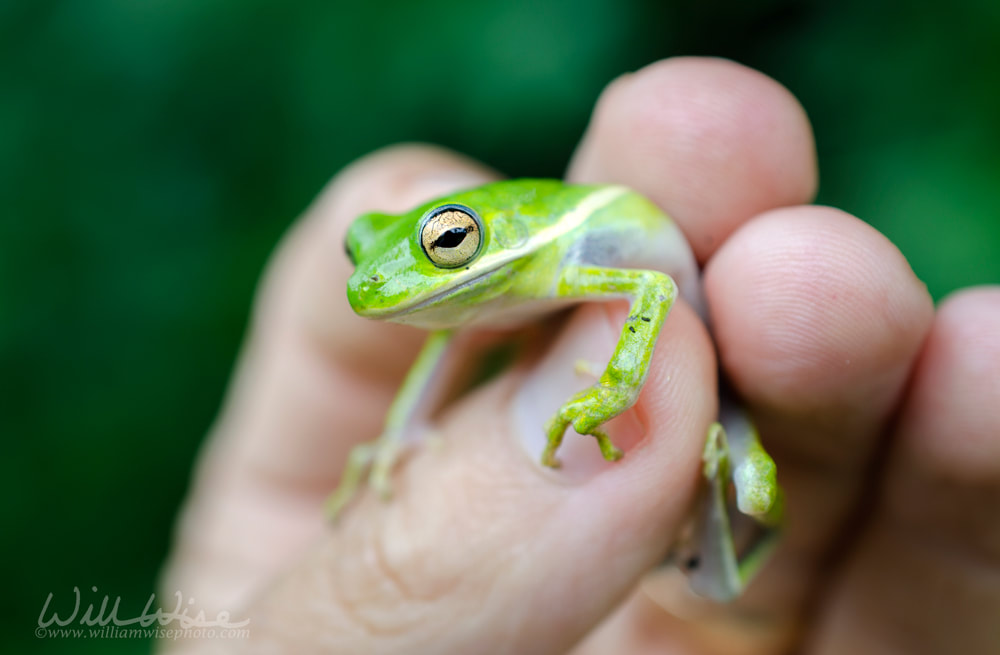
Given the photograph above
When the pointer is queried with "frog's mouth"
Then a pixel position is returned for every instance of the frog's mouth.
(408, 312)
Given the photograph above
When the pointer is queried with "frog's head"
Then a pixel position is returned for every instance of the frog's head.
(409, 266)
(440, 264)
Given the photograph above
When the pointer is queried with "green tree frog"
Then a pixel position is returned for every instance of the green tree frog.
(508, 252)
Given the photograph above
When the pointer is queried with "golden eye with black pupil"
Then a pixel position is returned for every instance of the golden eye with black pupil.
(451, 235)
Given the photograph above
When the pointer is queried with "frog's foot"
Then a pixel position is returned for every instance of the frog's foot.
(720, 569)
(757, 491)
(358, 460)
(586, 412)
(378, 458)
(754, 476)
(712, 564)
(380, 478)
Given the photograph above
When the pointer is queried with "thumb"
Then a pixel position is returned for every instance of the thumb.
(481, 545)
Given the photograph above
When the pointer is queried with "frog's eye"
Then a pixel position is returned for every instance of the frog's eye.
(451, 235)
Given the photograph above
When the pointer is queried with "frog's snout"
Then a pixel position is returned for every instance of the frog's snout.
(364, 291)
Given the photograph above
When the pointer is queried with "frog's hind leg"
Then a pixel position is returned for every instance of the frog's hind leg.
(358, 462)
(376, 458)
(722, 569)
(379, 457)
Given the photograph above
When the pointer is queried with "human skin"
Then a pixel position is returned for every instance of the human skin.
(883, 415)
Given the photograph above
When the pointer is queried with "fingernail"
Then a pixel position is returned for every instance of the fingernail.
(590, 337)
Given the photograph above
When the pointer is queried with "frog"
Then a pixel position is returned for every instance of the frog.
(513, 251)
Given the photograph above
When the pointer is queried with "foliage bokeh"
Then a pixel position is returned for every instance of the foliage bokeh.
(152, 153)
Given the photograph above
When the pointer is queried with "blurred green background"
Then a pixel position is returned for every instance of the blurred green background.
(152, 152)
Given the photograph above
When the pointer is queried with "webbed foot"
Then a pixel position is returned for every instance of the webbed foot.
(721, 570)
(377, 458)
(586, 412)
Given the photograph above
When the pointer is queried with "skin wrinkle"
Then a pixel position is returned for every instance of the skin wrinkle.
(389, 572)
(399, 560)
(367, 606)
(349, 609)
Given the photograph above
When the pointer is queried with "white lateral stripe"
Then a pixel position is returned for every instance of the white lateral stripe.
(574, 219)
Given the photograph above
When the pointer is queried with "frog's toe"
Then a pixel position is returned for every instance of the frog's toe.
(549, 460)
(381, 485)
(380, 477)
(358, 460)
(586, 412)
(756, 485)
(336, 502)
(554, 431)
(611, 452)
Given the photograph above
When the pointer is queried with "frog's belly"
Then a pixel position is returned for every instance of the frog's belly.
(502, 313)
(522, 313)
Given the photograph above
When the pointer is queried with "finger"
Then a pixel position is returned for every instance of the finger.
(313, 380)
(480, 544)
(716, 144)
(710, 141)
(818, 320)
(923, 579)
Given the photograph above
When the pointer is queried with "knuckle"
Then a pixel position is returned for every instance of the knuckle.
(389, 584)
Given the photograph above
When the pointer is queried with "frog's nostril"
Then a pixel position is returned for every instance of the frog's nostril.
(376, 278)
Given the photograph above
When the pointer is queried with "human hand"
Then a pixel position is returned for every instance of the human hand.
(881, 415)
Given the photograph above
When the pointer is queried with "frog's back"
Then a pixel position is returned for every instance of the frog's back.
(528, 208)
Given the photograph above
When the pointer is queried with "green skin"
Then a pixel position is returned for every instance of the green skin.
(545, 245)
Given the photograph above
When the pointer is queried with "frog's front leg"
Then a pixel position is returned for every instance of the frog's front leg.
(379, 456)
(652, 295)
